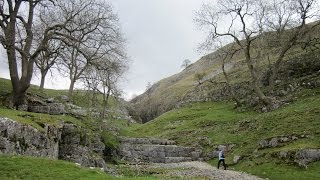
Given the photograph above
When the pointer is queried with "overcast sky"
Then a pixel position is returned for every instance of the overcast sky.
(160, 34)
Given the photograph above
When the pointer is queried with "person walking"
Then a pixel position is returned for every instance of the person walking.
(221, 157)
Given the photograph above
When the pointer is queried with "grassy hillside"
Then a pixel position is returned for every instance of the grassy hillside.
(165, 94)
(17, 167)
(80, 97)
(20, 167)
(207, 124)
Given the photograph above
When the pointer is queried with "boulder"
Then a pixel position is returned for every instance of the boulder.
(236, 159)
(273, 142)
(50, 100)
(195, 155)
(56, 108)
(40, 109)
(263, 144)
(278, 141)
(300, 157)
(306, 156)
(51, 108)
(62, 98)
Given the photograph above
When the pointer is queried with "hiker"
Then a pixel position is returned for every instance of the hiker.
(221, 157)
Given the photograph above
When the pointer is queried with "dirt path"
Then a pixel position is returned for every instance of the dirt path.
(202, 170)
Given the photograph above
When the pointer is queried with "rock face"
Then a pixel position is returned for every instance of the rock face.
(51, 108)
(66, 142)
(278, 141)
(77, 147)
(300, 157)
(155, 151)
(306, 156)
(25, 140)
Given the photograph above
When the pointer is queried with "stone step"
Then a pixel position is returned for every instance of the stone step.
(146, 141)
(157, 153)
(177, 159)
(168, 150)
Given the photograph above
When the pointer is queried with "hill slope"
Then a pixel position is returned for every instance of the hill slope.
(190, 86)
(15, 167)
(289, 130)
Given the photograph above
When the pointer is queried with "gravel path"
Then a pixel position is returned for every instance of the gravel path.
(202, 170)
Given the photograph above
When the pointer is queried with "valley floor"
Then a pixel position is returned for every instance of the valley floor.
(202, 170)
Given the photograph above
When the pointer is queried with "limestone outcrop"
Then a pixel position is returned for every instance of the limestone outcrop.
(18, 139)
(64, 141)
(301, 157)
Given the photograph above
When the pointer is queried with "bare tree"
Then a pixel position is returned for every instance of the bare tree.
(240, 15)
(286, 20)
(248, 22)
(86, 25)
(104, 78)
(96, 35)
(17, 19)
(185, 63)
(109, 77)
(46, 60)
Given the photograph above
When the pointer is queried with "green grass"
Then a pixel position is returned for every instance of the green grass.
(207, 124)
(37, 120)
(199, 119)
(22, 167)
(79, 98)
(182, 86)
(18, 167)
(276, 170)
(6, 88)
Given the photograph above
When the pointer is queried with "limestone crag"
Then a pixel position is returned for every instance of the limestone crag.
(155, 151)
(279, 141)
(64, 141)
(51, 108)
(16, 138)
(300, 157)
(77, 146)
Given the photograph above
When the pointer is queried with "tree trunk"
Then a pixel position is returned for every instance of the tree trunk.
(43, 78)
(105, 102)
(255, 82)
(19, 85)
(70, 92)
(276, 66)
(16, 99)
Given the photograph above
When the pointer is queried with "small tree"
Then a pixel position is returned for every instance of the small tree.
(185, 63)
(46, 60)
(199, 77)
(103, 77)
